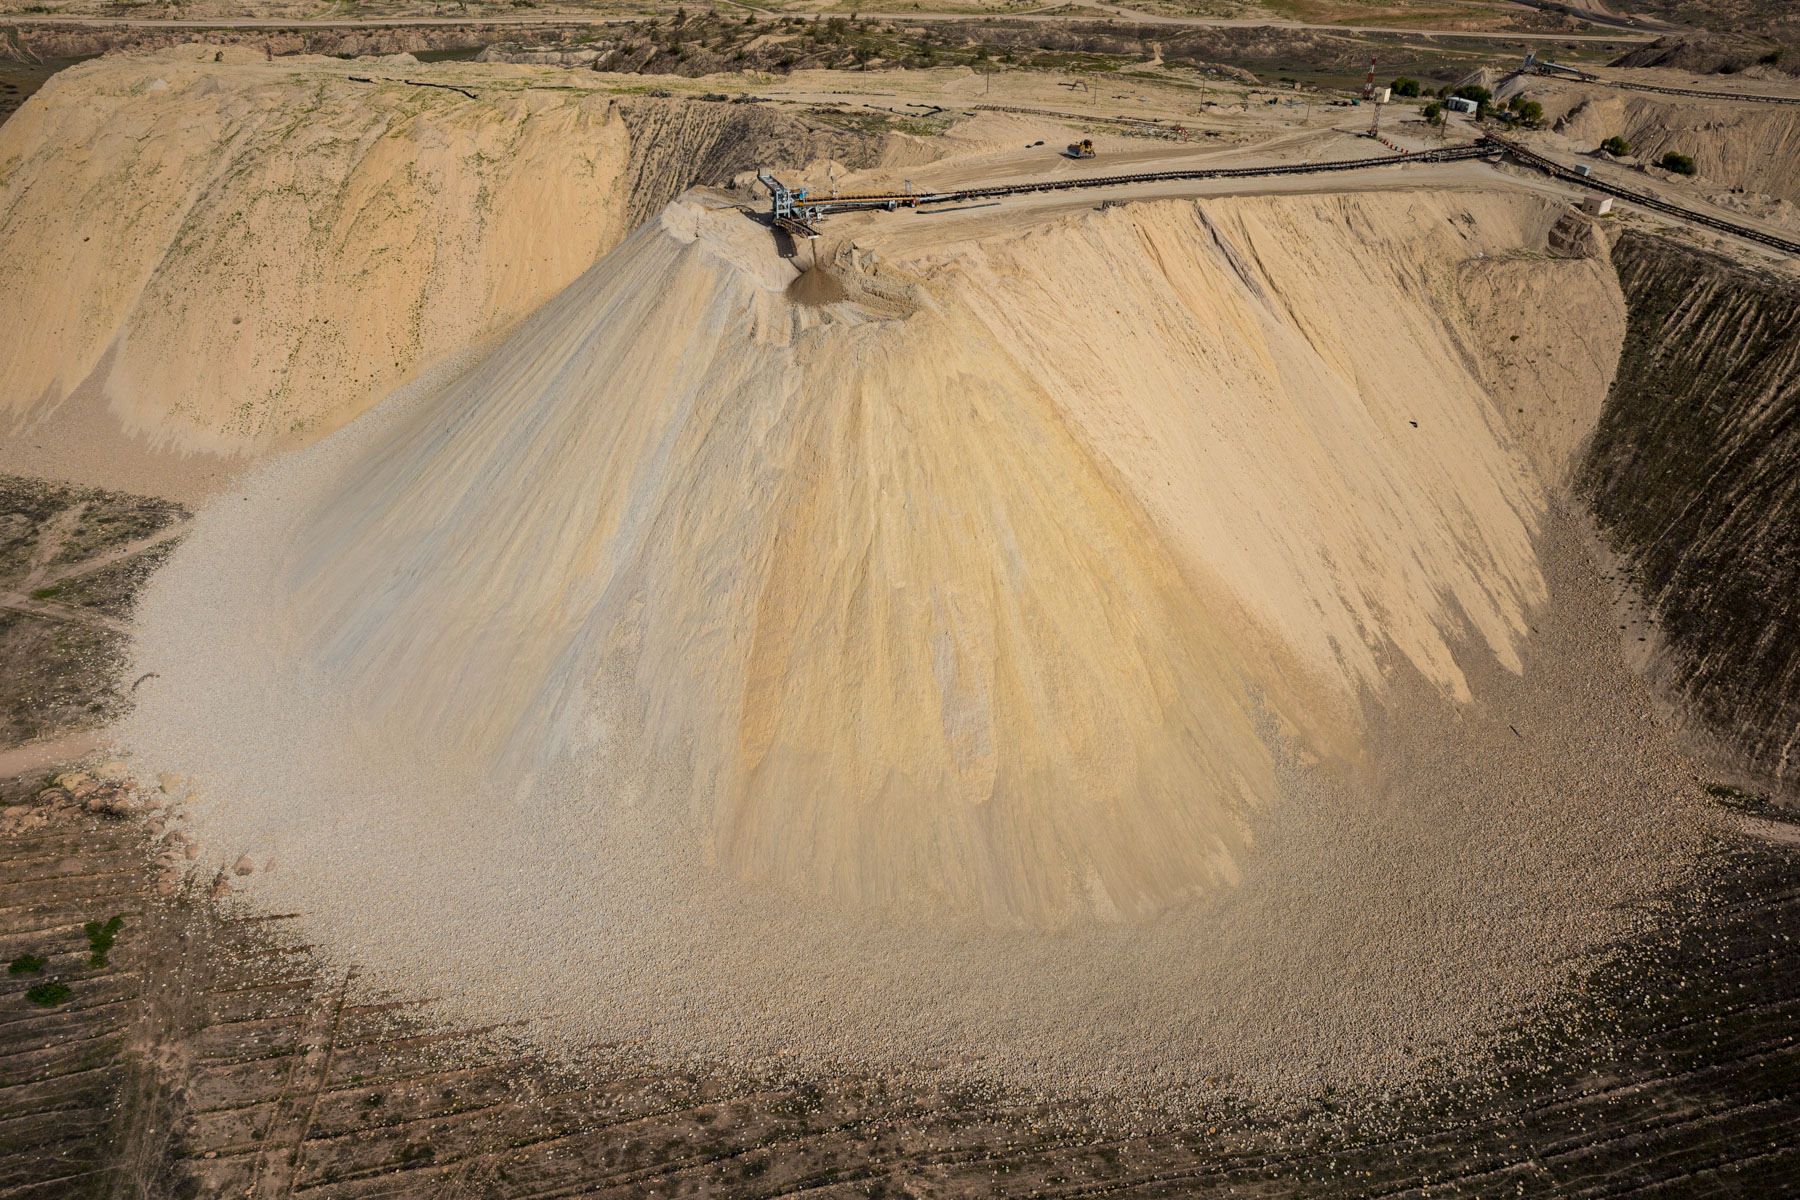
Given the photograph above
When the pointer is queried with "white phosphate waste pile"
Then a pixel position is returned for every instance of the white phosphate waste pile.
(1131, 651)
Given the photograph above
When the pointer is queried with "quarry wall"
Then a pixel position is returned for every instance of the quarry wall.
(230, 255)
(1730, 143)
(676, 144)
(1691, 475)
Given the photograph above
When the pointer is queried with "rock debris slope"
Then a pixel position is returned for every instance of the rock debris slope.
(1005, 595)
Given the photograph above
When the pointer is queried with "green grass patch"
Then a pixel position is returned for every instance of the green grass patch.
(48, 995)
(47, 593)
(26, 964)
(1075, 60)
(100, 938)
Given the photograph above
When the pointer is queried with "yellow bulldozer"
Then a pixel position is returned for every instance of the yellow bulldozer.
(1082, 149)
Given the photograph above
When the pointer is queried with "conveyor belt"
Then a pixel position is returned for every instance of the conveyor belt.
(1695, 93)
(796, 227)
(857, 200)
(1487, 147)
(1672, 91)
(1449, 154)
(1538, 162)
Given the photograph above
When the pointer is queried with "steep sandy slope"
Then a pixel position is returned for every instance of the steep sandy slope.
(982, 604)
(223, 256)
(1546, 371)
(245, 251)
(1098, 650)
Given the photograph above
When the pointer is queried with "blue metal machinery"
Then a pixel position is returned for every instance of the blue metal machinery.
(796, 212)
(792, 213)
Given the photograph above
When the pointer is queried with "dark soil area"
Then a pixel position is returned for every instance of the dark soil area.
(71, 561)
(211, 1056)
(1716, 54)
(1779, 19)
(20, 80)
(1694, 474)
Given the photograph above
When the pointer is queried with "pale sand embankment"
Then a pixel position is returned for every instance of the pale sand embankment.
(1135, 651)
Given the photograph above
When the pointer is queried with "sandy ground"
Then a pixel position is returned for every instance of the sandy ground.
(222, 278)
(320, 265)
(786, 719)
(1135, 651)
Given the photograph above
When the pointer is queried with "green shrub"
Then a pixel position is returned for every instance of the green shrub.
(100, 938)
(1616, 146)
(48, 995)
(1433, 113)
(1406, 87)
(26, 964)
(1529, 112)
(1681, 164)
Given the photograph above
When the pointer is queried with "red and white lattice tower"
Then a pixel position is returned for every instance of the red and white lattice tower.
(1369, 87)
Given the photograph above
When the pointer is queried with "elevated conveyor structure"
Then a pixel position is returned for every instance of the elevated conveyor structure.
(1556, 170)
(1533, 65)
(797, 212)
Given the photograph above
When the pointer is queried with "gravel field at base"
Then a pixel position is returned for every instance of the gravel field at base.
(1392, 920)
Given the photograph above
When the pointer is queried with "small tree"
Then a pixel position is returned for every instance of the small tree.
(1681, 164)
(1529, 112)
(1616, 146)
(1406, 87)
(864, 52)
(1433, 113)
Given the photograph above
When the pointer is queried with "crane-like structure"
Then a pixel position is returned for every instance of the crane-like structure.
(796, 212)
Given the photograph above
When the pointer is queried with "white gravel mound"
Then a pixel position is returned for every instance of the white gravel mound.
(1086, 656)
